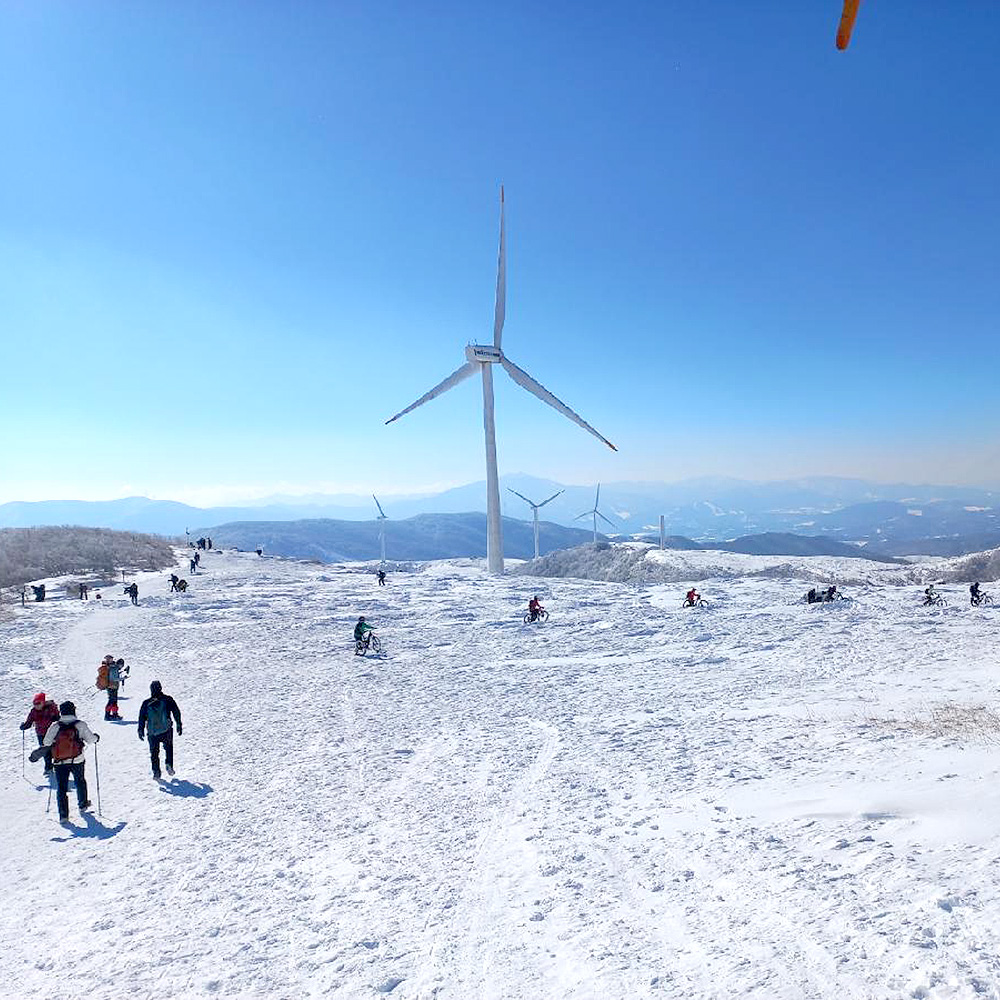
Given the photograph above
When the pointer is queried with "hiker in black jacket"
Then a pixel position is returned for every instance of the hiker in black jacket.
(155, 716)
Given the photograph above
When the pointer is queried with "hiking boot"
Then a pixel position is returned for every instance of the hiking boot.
(170, 770)
(86, 806)
(64, 819)
(156, 774)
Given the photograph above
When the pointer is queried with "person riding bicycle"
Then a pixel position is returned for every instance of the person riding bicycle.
(974, 595)
(693, 597)
(831, 594)
(362, 629)
(930, 595)
(535, 608)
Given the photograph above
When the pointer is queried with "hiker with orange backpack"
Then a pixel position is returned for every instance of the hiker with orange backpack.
(65, 739)
(43, 713)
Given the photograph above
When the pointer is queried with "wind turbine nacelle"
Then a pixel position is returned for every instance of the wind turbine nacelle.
(484, 354)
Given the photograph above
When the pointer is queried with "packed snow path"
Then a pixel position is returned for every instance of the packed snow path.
(632, 800)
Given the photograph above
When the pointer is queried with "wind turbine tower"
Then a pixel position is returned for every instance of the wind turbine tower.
(481, 358)
(381, 526)
(534, 509)
(597, 514)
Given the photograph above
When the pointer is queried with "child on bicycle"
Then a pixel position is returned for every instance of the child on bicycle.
(534, 607)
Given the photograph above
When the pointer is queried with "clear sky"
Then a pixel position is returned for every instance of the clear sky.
(235, 237)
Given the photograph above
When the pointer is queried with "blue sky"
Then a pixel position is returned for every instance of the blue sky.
(236, 237)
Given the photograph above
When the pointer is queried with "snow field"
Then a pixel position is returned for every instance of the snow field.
(632, 800)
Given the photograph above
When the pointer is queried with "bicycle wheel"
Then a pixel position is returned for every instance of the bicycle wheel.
(375, 645)
(987, 600)
(527, 619)
(359, 648)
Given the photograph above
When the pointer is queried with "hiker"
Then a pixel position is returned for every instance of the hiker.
(208, 542)
(174, 578)
(114, 676)
(43, 713)
(197, 558)
(39, 591)
(194, 567)
(155, 717)
(84, 592)
(133, 592)
(66, 738)
(381, 577)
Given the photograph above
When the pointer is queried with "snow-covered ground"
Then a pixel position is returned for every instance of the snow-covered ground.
(761, 798)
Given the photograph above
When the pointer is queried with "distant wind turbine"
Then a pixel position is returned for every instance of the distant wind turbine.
(597, 514)
(481, 358)
(381, 526)
(534, 509)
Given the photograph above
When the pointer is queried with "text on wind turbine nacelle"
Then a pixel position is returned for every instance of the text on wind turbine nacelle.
(484, 353)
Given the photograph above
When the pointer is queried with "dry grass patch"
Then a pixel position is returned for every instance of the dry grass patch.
(950, 720)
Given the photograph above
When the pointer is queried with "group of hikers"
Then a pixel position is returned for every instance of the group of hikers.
(817, 597)
(62, 736)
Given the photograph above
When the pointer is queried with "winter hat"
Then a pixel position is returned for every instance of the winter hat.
(67, 708)
(155, 688)
(39, 698)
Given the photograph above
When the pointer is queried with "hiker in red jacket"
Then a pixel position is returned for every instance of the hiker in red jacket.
(43, 713)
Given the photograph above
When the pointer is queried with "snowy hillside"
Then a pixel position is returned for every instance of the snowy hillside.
(642, 563)
(758, 799)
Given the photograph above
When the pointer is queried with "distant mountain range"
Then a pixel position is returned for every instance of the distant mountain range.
(894, 519)
(426, 536)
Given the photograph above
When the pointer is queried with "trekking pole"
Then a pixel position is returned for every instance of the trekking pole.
(97, 774)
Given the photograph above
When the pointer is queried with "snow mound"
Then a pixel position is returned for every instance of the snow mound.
(643, 564)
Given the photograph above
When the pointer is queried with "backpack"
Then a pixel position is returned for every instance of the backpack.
(67, 743)
(157, 717)
(102, 677)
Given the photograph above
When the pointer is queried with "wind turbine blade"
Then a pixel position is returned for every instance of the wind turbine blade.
(377, 504)
(523, 379)
(466, 371)
(603, 518)
(523, 497)
(554, 495)
(586, 513)
(597, 499)
(500, 309)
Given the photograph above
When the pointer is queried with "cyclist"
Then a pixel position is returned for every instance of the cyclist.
(974, 595)
(831, 594)
(362, 632)
(692, 598)
(535, 608)
(930, 595)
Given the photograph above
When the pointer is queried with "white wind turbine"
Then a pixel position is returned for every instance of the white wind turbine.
(381, 526)
(481, 358)
(597, 514)
(534, 509)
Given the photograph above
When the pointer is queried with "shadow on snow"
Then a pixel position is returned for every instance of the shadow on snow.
(186, 789)
(94, 829)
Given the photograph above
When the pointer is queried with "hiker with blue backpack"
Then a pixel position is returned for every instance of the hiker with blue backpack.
(156, 720)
